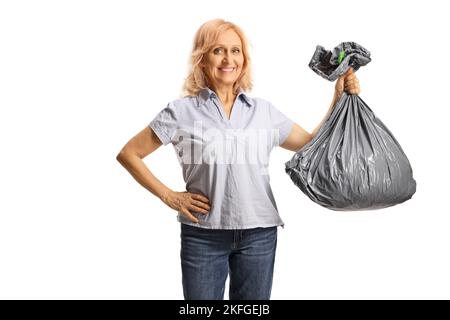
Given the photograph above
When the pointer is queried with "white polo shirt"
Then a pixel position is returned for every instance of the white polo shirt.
(225, 159)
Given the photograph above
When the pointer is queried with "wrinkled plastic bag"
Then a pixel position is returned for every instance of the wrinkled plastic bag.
(354, 162)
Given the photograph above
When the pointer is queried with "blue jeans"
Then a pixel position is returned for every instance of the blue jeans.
(208, 256)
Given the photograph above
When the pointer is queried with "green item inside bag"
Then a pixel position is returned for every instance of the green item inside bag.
(341, 56)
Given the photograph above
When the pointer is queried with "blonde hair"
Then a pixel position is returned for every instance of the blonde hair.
(204, 39)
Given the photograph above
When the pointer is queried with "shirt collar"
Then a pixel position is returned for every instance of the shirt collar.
(207, 93)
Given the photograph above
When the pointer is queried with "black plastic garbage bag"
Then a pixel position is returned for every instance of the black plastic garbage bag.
(354, 162)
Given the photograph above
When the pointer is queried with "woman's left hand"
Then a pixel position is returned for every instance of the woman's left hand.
(348, 82)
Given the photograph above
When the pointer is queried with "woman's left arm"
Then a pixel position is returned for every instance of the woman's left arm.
(298, 136)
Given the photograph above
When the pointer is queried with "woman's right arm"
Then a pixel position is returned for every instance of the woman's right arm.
(130, 157)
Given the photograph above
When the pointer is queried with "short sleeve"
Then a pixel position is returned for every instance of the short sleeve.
(165, 123)
(280, 122)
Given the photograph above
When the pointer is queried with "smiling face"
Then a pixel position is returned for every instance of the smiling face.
(223, 63)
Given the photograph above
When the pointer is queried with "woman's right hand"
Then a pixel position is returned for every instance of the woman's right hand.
(185, 201)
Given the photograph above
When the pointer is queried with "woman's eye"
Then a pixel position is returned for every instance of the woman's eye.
(218, 50)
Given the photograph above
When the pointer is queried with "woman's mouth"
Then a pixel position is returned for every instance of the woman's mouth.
(226, 69)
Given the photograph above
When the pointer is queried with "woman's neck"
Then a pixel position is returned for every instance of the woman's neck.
(226, 94)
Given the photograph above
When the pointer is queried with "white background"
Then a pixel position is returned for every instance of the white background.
(78, 79)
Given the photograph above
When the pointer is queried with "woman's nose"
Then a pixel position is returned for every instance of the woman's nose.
(227, 56)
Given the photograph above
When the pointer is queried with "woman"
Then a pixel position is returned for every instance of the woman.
(223, 138)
